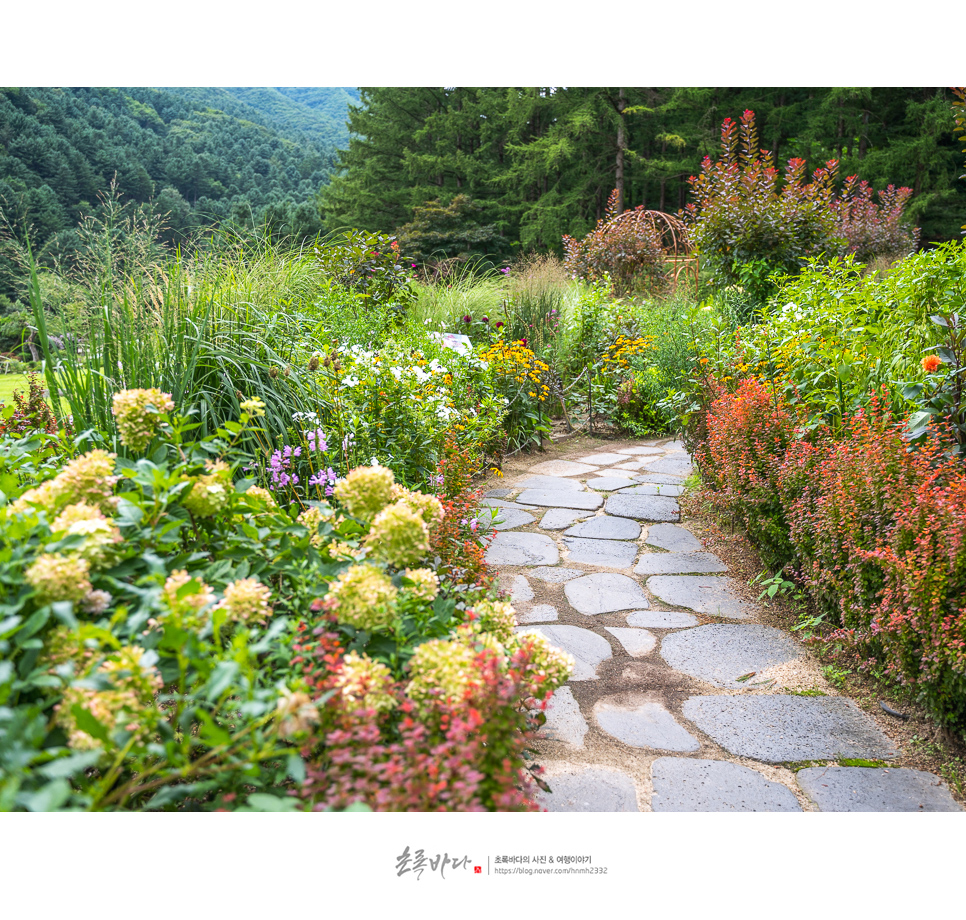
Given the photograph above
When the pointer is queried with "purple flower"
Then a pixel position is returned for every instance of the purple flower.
(317, 440)
(467, 319)
(485, 319)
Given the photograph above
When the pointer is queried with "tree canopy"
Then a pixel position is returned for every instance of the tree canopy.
(540, 162)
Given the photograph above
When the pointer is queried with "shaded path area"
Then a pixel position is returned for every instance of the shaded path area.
(681, 699)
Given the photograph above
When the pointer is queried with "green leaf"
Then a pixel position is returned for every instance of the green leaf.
(262, 801)
(210, 732)
(49, 797)
(296, 768)
(65, 767)
(221, 679)
(87, 723)
(361, 806)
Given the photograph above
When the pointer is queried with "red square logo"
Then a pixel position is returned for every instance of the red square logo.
(477, 870)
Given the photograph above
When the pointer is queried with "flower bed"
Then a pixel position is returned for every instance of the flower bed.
(876, 529)
(176, 636)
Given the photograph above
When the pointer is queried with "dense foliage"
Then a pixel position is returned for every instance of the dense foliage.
(832, 433)
(538, 163)
(176, 636)
(201, 157)
(747, 225)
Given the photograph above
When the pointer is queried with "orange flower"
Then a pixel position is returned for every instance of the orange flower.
(930, 363)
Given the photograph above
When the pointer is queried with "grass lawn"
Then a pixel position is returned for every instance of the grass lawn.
(9, 383)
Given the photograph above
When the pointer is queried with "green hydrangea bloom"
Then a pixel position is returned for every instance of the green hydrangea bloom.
(398, 536)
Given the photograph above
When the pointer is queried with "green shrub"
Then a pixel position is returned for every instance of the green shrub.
(367, 264)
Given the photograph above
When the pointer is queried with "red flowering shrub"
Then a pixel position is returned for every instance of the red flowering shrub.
(877, 530)
(748, 433)
(875, 229)
(627, 248)
(741, 215)
(456, 541)
(846, 507)
(920, 618)
(30, 413)
(464, 755)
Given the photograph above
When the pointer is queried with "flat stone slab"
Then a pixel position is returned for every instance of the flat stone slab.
(720, 653)
(636, 642)
(709, 594)
(538, 613)
(605, 459)
(558, 498)
(498, 493)
(613, 554)
(648, 476)
(556, 576)
(564, 720)
(875, 789)
(519, 588)
(551, 482)
(685, 784)
(679, 564)
(639, 451)
(561, 468)
(652, 488)
(501, 503)
(673, 538)
(661, 619)
(561, 518)
(609, 483)
(604, 592)
(506, 518)
(510, 548)
(629, 465)
(588, 649)
(672, 465)
(642, 723)
(643, 507)
(780, 728)
(578, 788)
(604, 527)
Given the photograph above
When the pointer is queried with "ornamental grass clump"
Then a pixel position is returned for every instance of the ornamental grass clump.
(139, 415)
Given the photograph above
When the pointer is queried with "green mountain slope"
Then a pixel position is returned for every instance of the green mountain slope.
(202, 156)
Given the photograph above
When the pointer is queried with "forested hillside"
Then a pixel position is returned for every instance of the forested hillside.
(317, 113)
(249, 158)
(521, 167)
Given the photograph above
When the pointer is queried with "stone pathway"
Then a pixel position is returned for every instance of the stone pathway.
(680, 699)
